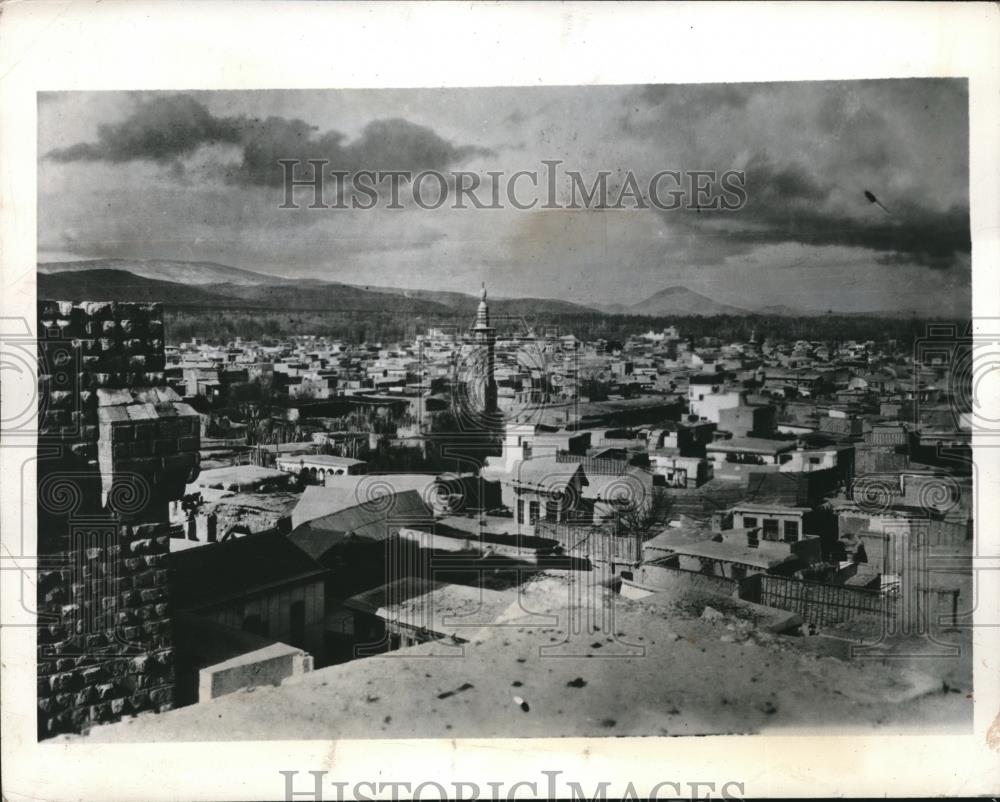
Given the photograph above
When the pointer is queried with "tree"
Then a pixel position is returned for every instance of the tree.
(645, 518)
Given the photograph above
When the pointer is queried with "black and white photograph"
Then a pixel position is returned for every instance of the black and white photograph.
(481, 412)
(553, 410)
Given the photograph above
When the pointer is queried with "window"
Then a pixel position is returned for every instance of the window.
(770, 529)
(533, 512)
(749, 522)
(814, 460)
(791, 531)
(255, 624)
(752, 541)
(297, 624)
(520, 511)
(552, 511)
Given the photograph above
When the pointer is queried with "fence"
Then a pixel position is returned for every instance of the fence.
(594, 542)
(594, 466)
(817, 602)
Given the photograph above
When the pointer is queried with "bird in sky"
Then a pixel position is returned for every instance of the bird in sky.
(876, 201)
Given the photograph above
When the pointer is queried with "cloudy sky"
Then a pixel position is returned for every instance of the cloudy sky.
(193, 176)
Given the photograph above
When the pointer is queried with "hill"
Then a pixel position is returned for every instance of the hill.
(120, 285)
(165, 270)
(679, 301)
(311, 295)
(465, 303)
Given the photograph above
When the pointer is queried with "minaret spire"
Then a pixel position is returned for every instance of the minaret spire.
(483, 312)
(485, 338)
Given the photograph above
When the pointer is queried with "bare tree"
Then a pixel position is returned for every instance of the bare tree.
(644, 518)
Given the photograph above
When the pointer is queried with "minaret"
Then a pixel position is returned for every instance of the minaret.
(485, 337)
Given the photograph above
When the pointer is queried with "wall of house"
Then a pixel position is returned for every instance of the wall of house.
(270, 665)
(274, 611)
(756, 518)
(666, 577)
(748, 421)
(706, 404)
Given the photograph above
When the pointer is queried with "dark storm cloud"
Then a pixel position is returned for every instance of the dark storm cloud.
(809, 152)
(160, 130)
(166, 129)
(788, 204)
(393, 144)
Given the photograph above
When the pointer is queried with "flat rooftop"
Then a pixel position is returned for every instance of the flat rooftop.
(754, 445)
(653, 670)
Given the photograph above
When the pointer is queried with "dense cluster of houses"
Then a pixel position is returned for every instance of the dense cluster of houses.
(782, 473)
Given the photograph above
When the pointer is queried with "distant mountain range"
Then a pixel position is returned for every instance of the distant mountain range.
(212, 285)
(677, 301)
(165, 270)
(207, 284)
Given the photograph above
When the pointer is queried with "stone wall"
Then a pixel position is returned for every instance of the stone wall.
(115, 445)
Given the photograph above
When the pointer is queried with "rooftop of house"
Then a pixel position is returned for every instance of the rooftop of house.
(371, 520)
(728, 674)
(547, 474)
(731, 553)
(240, 477)
(342, 492)
(326, 459)
(753, 445)
(443, 608)
(231, 570)
(776, 507)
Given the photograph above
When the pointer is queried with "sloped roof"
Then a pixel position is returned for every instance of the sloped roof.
(237, 568)
(342, 492)
(547, 474)
(372, 520)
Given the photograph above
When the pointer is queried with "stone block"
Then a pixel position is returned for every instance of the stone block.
(161, 696)
(99, 310)
(84, 697)
(140, 664)
(63, 682)
(141, 412)
(94, 674)
(135, 564)
(105, 691)
(125, 618)
(144, 579)
(116, 397)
